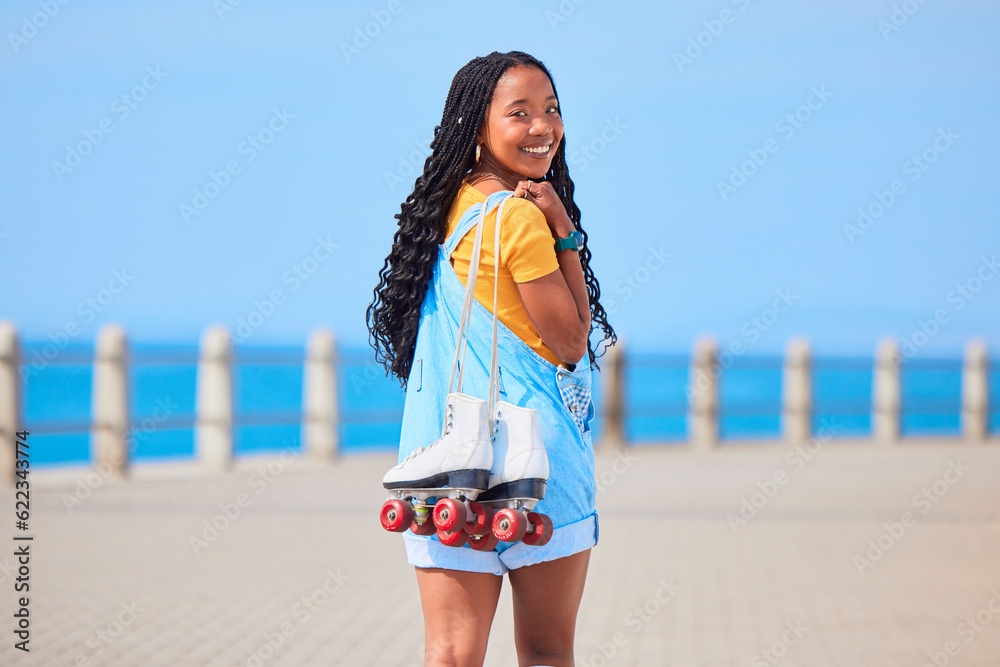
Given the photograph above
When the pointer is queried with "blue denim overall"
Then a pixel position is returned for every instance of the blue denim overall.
(561, 398)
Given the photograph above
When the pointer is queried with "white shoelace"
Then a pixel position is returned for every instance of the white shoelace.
(416, 452)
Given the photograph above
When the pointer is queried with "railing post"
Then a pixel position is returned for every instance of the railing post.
(887, 398)
(320, 397)
(109, 403)
(613, 400)
(703, 389)
(975, 393)
(214, 398)
(10, 400)
(796, 390)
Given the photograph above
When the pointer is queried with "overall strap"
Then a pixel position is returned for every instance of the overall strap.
(470, 295)
(468, 221)
(470, 289)
(494, 388)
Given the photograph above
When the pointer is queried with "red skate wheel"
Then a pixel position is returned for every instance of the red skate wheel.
(449, 515)
(542, 532)
(482, 519)
(453, 539)
(425, 528)
(485, 542)
(396, 515)
(509, 525)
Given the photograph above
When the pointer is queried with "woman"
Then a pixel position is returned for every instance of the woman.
(501, 131)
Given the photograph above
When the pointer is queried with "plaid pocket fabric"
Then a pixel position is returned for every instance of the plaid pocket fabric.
(576, 397)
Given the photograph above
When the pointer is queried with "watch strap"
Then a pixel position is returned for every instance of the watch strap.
(571, 242)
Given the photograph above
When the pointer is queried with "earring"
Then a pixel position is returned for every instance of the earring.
(478, 151)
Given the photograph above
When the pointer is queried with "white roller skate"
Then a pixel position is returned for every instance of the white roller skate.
(516, 482)
(431, 489)
(446, 474)
(517, 479)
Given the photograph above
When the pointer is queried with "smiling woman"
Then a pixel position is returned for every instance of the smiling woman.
(493, 214)
(542, 300)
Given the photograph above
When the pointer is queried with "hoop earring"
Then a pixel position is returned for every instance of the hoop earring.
(478, 146)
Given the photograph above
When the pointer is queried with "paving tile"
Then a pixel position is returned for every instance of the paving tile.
(668, 517)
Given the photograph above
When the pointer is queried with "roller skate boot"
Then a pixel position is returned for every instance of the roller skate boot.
(431, 488)
(517, 481)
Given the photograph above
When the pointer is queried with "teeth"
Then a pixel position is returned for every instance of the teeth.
(542, 150)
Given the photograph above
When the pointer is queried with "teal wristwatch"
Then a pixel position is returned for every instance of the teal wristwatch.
(572, 242)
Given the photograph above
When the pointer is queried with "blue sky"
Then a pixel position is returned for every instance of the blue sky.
(721, 151)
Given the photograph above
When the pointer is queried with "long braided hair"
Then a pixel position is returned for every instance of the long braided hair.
(394, 313)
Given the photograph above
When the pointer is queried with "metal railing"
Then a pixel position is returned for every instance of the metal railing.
(706, 406)
(700, 398)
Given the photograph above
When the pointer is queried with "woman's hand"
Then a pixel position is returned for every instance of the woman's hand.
(544, 196)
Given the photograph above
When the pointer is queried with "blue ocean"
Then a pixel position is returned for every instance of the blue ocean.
(267, 384)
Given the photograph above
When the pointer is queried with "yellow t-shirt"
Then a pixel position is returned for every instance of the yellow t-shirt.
(527, 251)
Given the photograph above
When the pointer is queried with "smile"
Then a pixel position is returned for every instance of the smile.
(540, 151)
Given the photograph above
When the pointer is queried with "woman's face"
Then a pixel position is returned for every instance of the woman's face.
(523, 127)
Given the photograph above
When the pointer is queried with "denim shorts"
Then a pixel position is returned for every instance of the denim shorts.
(566, 541)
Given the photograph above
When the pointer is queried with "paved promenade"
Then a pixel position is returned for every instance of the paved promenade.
(846, 555)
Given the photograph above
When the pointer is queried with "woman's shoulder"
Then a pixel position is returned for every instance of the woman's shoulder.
(521, 212)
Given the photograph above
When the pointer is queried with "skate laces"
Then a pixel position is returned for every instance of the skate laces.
(416, 452)
(449, 419)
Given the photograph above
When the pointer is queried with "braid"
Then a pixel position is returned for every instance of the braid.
(394, 314)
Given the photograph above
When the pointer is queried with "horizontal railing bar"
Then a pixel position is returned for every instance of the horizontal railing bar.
(267, 419)
(655, 411)
(349, 359)
(57, 428)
